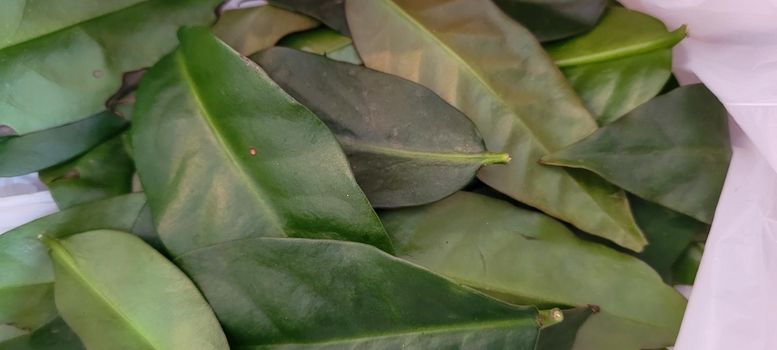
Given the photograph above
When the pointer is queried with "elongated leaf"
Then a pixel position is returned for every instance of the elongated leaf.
(55, 335)
(554, 19)
(668, 232)
(673, 150)
(329, 12)
(512, 92)
(325, 42)
(103, 172)
(29, 153)
(223, 153)
(76, 67)
(406, 145)
(526, 257)
(26, 281)
(624, 62)
(561, 336)
(336, 295)
(116, 292)
(250, 30)
(686, 267)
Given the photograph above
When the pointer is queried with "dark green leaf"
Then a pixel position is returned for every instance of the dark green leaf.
(285, 293)
(250, 30)
(72, 64)
(26, 297)
(495, 72)
(624, 62)
(668, 232)
(29, 153)
(406, 145)
(561, 335)
(554, 19)
(325, 42)
(673, 150)
(526, 257)
(55, 335)
(103, 172)
(329, 12)
(686, 267)
(116, 292)
(223, 153)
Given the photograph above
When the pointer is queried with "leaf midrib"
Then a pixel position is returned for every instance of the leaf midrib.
(207, 118)
(69, 264)
(664, 41)
(481, 158)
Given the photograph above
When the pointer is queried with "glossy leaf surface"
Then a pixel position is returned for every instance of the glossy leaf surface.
(668, 232)
(329, 12)
(75, 68)
(54, 335)
(554, 19)
(26, 284)
(29, 153)
(344, 295)
(673, 150)
(495, 72)
(116, 292)
(528, 258)
(224, 153)
(103, 172)
(624, 62)
(250, 30)
(325, 42)
(406, 145)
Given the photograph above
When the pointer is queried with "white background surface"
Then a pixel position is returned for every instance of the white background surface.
(732, 47)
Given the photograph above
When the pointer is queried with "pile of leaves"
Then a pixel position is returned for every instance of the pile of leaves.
(380, 174)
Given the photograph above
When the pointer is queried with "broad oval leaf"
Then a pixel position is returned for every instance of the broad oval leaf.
(26, 284)
(116, 292)
(554, 19)
(252, 29)
(76, 67)
(495, 72)
(325, 42)
(223, 153)
(103, 172)
(286, 293)
(29, 153)
(526, 257)
(406, 145)
(673, 150)
(329, 12)
(623, 62)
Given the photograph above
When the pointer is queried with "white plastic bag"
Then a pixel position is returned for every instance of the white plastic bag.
(23, 199)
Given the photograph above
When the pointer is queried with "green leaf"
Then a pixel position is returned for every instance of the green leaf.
(116, 292)
(103, 172)
(623, 62)
(329, 12)
(686, 267)
(29, 153)
(406, 145)
(253, 29)
(561, 335)
(528, 258)
(325, 42)
(673, 150)
(223, 153)
(285, 293)
(55, 335)
(26, 284)
(76, 63)
(554, 19)
(668, 232)
(512, 92)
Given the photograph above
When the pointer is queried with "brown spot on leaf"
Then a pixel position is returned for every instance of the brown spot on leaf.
(252, 151)
(595, 308)
(97, 73)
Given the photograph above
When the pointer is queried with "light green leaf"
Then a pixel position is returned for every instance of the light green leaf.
(324, 42)
(526, 257)
(116, 292)
(554, 19)
(406, 145)
(343, 295)
(494, 71)
(673, 150)
(29, 153)
(623, 62)
(223, 153)
(250, 30)
(67, 69)
(103, 172)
